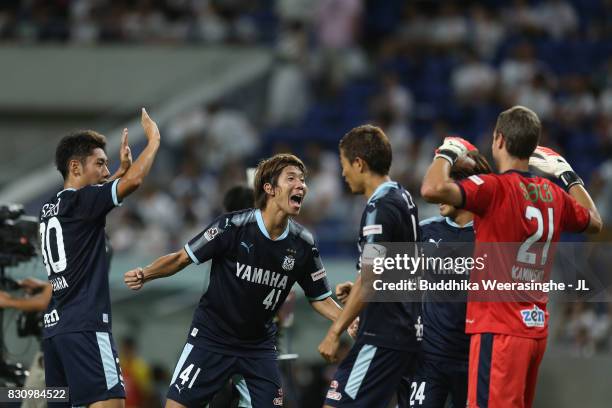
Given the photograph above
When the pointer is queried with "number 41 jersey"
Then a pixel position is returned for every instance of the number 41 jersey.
(75, 252)
(250, 277)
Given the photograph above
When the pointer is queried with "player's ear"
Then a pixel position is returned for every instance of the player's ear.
(362, 166)
(75, 168)
(268, 189)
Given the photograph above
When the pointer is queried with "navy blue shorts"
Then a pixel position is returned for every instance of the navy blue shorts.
(369, 376)
(434, 382)
(201, 373)
(86, 363)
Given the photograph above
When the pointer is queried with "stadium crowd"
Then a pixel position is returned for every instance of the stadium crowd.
(421, 70)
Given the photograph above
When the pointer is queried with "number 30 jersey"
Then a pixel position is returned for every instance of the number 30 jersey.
(516, 207)
(75, 253)
(250, 277)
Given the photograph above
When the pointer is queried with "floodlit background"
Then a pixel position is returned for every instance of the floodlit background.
(233, 81)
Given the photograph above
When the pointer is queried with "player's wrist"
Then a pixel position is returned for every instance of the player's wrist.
(447, 155)
(569, 179)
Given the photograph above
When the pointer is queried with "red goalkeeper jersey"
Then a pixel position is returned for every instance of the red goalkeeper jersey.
(530, 212)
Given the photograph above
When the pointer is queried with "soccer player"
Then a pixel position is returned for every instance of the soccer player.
(389, 335)
(508, 339)
(257, 255)
(78, 345)
(442, 370)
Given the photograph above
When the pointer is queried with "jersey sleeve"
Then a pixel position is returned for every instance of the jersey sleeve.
(213, 241)
(478, 192)
(314, 278)
(574, 217)
(380, 223)
(97, 200)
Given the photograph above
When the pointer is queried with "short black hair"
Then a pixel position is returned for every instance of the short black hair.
(238, 198)
(369, 143)
(77, 145)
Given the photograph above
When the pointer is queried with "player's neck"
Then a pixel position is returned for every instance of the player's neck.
(512, 163)
(72, 183)
(372, 182)
(462, 217)
(275, 220)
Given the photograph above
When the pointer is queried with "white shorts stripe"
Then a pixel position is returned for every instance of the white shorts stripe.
(108, 359)
(186, 350)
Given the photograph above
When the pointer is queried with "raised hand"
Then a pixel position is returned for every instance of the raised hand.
(455, 149)
(149, 126)
(343, 290)
(550, 162)
(125, 154)
(134, 279)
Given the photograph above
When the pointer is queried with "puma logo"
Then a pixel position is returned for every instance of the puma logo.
(435, 242)
(246, 246)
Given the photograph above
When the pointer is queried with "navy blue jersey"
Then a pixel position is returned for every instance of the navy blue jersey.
(250, 277)
(444, 322)
(76, 256)
(390, 216)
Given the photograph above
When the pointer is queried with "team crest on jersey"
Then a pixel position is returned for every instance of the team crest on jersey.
(288, 263)
(278, 401)
(211, 233)
(534, 317)
(332, 394)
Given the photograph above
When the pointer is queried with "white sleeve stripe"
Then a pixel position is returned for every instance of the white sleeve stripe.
(323, 296)
(114, 193)
(191, 255)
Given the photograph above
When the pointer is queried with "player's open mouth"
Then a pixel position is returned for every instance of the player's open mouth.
(296, 200)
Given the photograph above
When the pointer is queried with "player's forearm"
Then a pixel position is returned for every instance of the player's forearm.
(354, 305)
(327, 308)
(166, 265)
(584, 199)
(436, 187)
(36, 303)
(135, 175)
(118, 174)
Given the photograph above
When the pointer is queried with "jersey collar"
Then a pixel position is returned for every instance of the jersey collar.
(66, 189)
(522, 173)
(382, 187)
(454, 224)
(262, 227)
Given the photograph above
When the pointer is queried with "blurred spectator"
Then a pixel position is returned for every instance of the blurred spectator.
(537, 96)
(520, 68)
(557, 17)
(136, 375)
(288, 97)
(473, 81)
(487, 32)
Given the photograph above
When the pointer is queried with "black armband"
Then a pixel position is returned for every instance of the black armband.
(570, 178)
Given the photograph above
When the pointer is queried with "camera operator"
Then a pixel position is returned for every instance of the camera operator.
(37, 297)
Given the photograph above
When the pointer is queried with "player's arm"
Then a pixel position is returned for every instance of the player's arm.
(36, 303)
(327, 308)
(140, 168)
(162, 267)
(125, 157)
(550, 162)
(354, 305)
(437, 185)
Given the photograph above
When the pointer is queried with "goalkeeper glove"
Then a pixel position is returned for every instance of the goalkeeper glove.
(454, 148)
(550, 162)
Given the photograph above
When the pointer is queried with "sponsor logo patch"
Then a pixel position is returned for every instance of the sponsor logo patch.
(211, 233)
(476, 180)
(534, 317)
(372, 229)
(320, 274)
